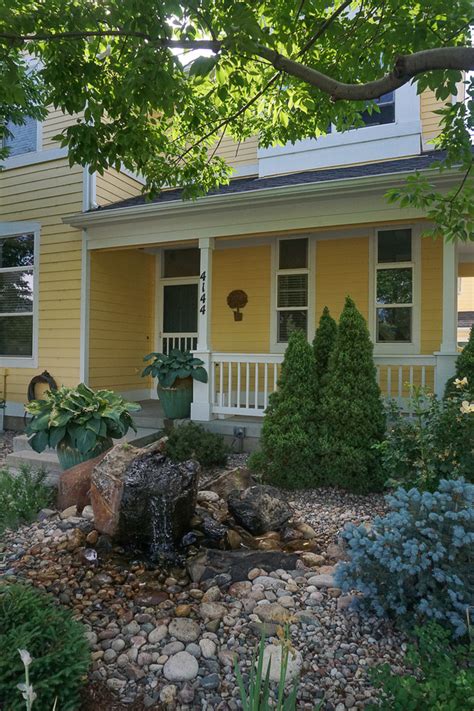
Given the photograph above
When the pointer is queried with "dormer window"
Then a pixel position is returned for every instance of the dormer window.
(386, 104)
(23, 138)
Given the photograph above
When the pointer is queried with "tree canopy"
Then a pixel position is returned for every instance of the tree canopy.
(157, 84)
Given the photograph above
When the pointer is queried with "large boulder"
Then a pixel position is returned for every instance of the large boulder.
(140, 497)
(211, 563)
(236, 479)
(75, 483)
(259, 509)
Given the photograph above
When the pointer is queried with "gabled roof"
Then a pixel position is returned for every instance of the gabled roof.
(326, 175)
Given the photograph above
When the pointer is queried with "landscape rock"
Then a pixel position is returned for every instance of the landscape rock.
(322, 581)
(75, 483)
(234, 480)
(273, 655)
(260, 509)
(181, 667)
(237, 564)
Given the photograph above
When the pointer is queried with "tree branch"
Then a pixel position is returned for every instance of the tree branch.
(406, 67)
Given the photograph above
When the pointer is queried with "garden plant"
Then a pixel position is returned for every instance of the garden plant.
(31, 621)
(416, 563)
(192, 441)
(22, 495)
(351, 412)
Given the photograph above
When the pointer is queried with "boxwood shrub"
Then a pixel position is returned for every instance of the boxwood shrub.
(30, 619)
(192, 441)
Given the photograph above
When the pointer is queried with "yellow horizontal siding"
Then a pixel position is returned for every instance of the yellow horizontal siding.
(430, 125)
(121, 318)
(342, 269)
(248, 269)
(431, 294)
(237, 154)
(114, 186)
(45, 193)
(55, 122)
(466, 269)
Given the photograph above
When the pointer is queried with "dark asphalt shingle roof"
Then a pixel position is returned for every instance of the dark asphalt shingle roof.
(241, 185)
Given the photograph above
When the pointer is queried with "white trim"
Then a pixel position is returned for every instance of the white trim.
(393, 349)
(39, 136)
(450, 298)
(365, 144)
(8, 229)
(89, 189)
(244, 171)
(135, 176)
(33, 158)
(85, 312)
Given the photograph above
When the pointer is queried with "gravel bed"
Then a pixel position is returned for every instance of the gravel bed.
(160, 637)
(6, 444)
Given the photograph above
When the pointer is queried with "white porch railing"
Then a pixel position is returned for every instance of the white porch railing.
(182, 341)
(242, 383)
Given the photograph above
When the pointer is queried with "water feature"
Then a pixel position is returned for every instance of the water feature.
(157, 505)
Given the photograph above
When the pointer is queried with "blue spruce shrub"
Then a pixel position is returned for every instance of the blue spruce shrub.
(417, 562)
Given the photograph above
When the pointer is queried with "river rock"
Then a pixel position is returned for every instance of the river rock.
(272, 655)
(181, 667)
(260, 509)
(184, 629)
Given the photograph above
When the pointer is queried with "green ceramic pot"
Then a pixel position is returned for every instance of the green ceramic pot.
(176, 401)
(69, 456)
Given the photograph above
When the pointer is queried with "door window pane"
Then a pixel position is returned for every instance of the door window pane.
(292, 290)
(17, 251)
(394, 325)
(180, 308)
(395, 286)
(293, 254)
(16, 335)
(181, 262)
(16, 292)
(289, 321)
(394, 246)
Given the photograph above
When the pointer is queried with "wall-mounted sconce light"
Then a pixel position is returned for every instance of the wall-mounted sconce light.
(236, 300)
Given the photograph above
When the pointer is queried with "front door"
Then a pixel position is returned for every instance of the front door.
(180, 316)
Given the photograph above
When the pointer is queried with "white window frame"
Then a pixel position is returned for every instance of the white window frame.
(13, 229)
(275, 346)
(406, 348)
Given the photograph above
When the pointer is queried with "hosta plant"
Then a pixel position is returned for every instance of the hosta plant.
(79, 418)
(417, 562)
(168, 368)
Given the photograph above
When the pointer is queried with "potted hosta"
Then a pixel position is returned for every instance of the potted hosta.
(78, 422)
(175, 373)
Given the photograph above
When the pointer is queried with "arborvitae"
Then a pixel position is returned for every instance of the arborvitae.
(323, 345)
(352, 413)
(464, 367)
(288, 439)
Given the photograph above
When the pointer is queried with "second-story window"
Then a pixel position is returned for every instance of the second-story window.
(386, 104)
(394, 286)
(292, 287)
(23, 138)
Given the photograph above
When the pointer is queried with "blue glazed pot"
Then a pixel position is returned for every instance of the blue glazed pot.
(70, 456)
(176, 401)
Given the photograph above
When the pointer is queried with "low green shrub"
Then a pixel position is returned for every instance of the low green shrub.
(442, 678)
(21, 496)
(30, 620)
(192, 441)
(464, 366)
(435, 441)
(417, 562)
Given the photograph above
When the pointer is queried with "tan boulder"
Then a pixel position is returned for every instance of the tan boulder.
(75, 483)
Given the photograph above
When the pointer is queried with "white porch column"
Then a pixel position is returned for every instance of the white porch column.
(447, 354)
(202, 394)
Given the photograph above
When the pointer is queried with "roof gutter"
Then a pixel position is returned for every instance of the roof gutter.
(267, 195)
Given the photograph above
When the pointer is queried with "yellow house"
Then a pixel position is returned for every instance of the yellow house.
(106, 276)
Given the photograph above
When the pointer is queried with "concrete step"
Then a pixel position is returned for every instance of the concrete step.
(47, 461)
(20, 442)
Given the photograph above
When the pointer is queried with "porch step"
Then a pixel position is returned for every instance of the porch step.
(47, 461)
(20, 442)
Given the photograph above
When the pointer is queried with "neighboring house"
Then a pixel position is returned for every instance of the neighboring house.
(103, 276)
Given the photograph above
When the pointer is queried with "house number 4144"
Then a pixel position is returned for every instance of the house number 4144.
(203, 297)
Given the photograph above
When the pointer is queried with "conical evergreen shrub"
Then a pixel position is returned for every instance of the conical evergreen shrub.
(464, 367)
(288, 432)
(352, 413)
(323, 345)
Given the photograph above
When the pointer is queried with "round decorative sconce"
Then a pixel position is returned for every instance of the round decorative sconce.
(236, 300)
